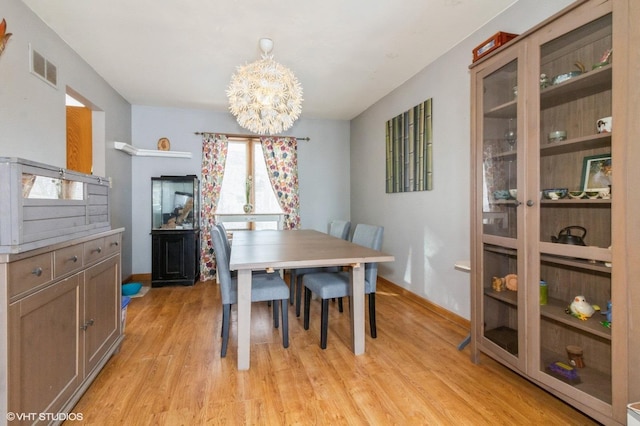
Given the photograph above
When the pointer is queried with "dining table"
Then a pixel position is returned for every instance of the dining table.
(290, 249)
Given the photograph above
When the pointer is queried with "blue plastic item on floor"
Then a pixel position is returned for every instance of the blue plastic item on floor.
(130, 289)
(123, 315)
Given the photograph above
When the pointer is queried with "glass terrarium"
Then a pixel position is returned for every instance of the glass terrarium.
(175, 202)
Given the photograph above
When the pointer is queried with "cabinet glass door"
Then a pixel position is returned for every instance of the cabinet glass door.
(498, 166)
(499, 151)
(575, 211)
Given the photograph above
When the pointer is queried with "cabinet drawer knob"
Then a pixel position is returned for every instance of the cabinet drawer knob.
(86, 325)
(74, 259)
(530, 203)
(99, 249)
(37, 272)
(115, 243)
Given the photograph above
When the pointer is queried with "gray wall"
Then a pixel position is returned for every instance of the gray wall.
(323, 165)
(33, 114)
(429, 231)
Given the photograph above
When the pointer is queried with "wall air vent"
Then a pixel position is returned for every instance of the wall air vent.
(41, 67)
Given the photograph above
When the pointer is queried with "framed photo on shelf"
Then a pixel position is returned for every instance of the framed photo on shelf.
(596, 172)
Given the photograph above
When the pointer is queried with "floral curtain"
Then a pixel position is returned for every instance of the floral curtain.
(281, 158)
(214, 157)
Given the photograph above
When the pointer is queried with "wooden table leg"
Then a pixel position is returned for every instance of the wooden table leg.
(244, 319)
(357, 308)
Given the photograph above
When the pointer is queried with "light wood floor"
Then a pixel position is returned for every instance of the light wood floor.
(169, 371)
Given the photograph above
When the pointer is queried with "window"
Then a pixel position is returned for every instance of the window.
(244, 159)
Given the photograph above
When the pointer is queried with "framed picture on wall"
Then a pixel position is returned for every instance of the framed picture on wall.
(596, 172)
(409, 150)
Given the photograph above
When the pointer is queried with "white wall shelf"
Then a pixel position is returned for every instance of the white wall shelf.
(138, 152)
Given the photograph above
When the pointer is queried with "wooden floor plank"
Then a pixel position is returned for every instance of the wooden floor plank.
(169, 371)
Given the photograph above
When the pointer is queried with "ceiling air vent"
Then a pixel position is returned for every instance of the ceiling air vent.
(44, 69)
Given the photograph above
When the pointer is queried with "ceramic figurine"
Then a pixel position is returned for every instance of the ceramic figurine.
(580, 308)
(608, 311)
(498, 284)
(544, 81)
(511, 282)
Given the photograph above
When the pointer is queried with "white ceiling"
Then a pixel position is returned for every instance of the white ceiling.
(347, 54)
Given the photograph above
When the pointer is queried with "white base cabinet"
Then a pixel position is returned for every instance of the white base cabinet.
(61, 309)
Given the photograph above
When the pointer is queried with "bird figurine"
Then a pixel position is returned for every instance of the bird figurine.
(580, 308)
(4, 35)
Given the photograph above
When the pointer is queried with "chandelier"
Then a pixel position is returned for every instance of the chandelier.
(265, 96)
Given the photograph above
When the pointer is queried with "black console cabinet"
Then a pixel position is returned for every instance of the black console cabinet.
(176, 257)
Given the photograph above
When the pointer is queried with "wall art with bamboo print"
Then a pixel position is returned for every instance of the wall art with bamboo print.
(409, 139)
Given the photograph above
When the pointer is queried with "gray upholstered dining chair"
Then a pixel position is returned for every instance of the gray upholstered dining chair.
(264, 287)
(338, 229)
(227, 246)
(225, 238)
(329, 285)
(227, 243)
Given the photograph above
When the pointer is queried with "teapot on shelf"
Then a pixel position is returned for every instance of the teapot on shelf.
(566, 237)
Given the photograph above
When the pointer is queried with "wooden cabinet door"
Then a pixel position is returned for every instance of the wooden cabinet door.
(175, 257)
(44, 348)
(79, 139)
(102, 310)
(499, 139)
(169, 256)
(573, 105)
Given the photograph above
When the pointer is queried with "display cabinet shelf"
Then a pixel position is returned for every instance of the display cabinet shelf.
(505, 110)
(500, 250)
(577, 87)
(503, 202)
(547, 203)
(584, 143)
(593, 141)
(576, 263)
(506, 296)
(555, 309)
(592, 381)
(590, 253)
(505, 337)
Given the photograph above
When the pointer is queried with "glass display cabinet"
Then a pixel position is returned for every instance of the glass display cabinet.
(552, 241)
(175, 234)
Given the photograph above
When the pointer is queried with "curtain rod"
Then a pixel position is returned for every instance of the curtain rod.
(239, 135)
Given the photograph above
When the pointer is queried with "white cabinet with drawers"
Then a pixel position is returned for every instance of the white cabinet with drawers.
(60, 312)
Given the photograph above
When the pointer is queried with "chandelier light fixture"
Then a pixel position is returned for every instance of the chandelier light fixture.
(265, 96)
